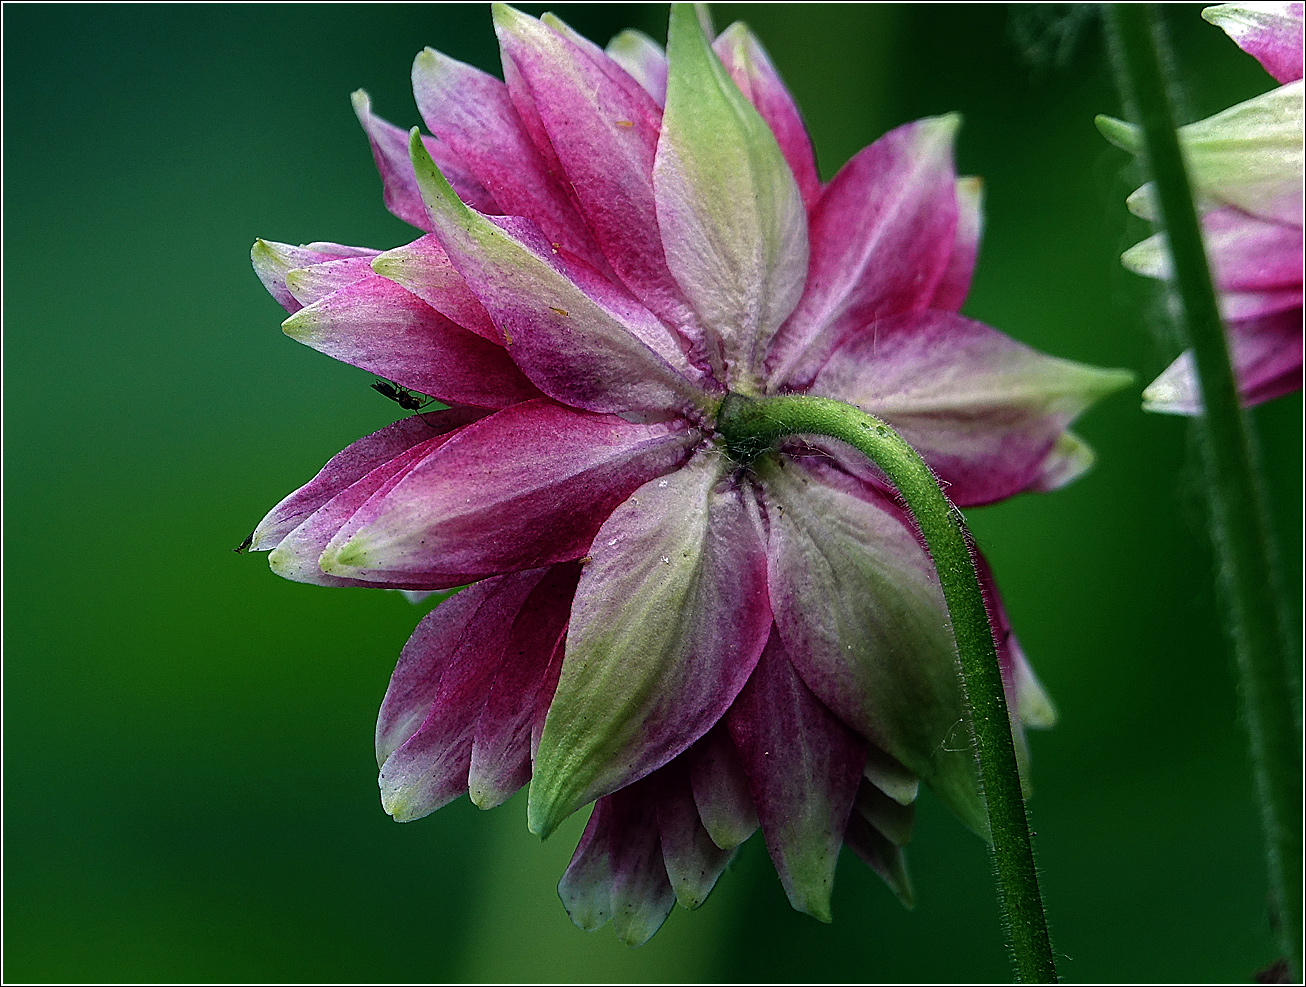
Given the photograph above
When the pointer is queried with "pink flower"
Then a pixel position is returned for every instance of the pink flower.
(1246, 167)
(701, 644)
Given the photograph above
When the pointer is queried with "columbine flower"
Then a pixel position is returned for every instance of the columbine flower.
(1246, 167)
(701, 644)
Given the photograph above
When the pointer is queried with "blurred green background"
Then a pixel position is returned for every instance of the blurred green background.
(189, 780)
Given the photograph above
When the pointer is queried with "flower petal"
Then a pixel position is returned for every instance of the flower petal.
(883, 235)
(692, 860)
(861, 615)
(424, 732)
(379, 326)
(581, 345)
(1269, 32)
(720, 788)
(644, 59)
(881, 856)
(730, 212)
(954, 286)
(669, 619)
(523, 488)
(1070, 458)
(1267, 360)
(424, 269)
(314, 282)
(982, 409)
(890, 817)
(273, 261)
(803, 768)
(888, 775)
(501, 748)
(399, 186)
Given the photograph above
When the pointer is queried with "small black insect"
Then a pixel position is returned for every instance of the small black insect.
(401, 396)
(244, 546)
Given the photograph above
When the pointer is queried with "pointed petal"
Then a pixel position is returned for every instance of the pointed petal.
(881, 856)
(586, 885)
(889, 776)
(668, 622)
(750, 66)
(720, 789)
(882, 238)
(1267, 360)
(314, 282)
(954, 286)
(424, 269)
(424, 732)
(575, 343)
(379, 326)
(861, 615)
(501, 748)
(1269, 32)
(891, 818)
(273, 261)
(525, 487)
(603, 127)
(351, 465)
(803, 768)
(982, 409)
(692, 860)
(730, 212)
(1070, 458)
(644, 59)
(399, 186)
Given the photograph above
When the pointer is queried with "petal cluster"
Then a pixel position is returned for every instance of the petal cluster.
(613, 240)
(1246, 167)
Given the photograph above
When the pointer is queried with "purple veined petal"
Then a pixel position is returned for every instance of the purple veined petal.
(523, 488)
(882, 237)
(1267, 360)
(693, 861)
(390, 152)
(381, 327)
(1245, 253)
(423, 268)
(1246, 306)
(571, 344)
(603, 128)
(887, 773)
(1269, 32)
(750, 66)
(954, 286)
(617, 870)
(351, 465)
(881, 856)
(983, 410)
(273, 261)
(720, 788)
(803, 768)
(861, 615)
(314, 282)
(501, 748)
(1070, 458)
(730, 212)
(424, 732)
(669, 619)
(473, 114)
(644, 59)
(892, 819)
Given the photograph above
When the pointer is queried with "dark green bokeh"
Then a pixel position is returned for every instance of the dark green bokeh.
(190, 791)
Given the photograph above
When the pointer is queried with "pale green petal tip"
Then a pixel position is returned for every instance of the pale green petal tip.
(398, 803)
(1123, 135)
(302, 325)
(361, 102)
(549, 802)
(345, 559)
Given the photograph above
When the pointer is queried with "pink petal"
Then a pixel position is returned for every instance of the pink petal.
(617, 870)
(750, 66)
(882, 237)
(273, 261)
(1246, 306)
(1267, 360)
(720, 789)
(954, 286)
(523, 488)
(424, 269)
(982, 409)
(860, 613)
(379, 326)
(501, 748)
(351, 465)
(473, 114)
(603, 127)
(390, 152)
(644, 59)
(314, 282)
(692, 860)
(1270, 32)
(803, 768)
(424, 732)
(669, 619)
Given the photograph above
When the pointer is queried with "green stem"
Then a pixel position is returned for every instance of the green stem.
(1240, 519)
(749, 426)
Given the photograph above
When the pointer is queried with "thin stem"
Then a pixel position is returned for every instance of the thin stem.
(1240, 520)
(750, 425)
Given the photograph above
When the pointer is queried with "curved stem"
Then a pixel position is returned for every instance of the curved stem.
(750, 425)
(1240, 520)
